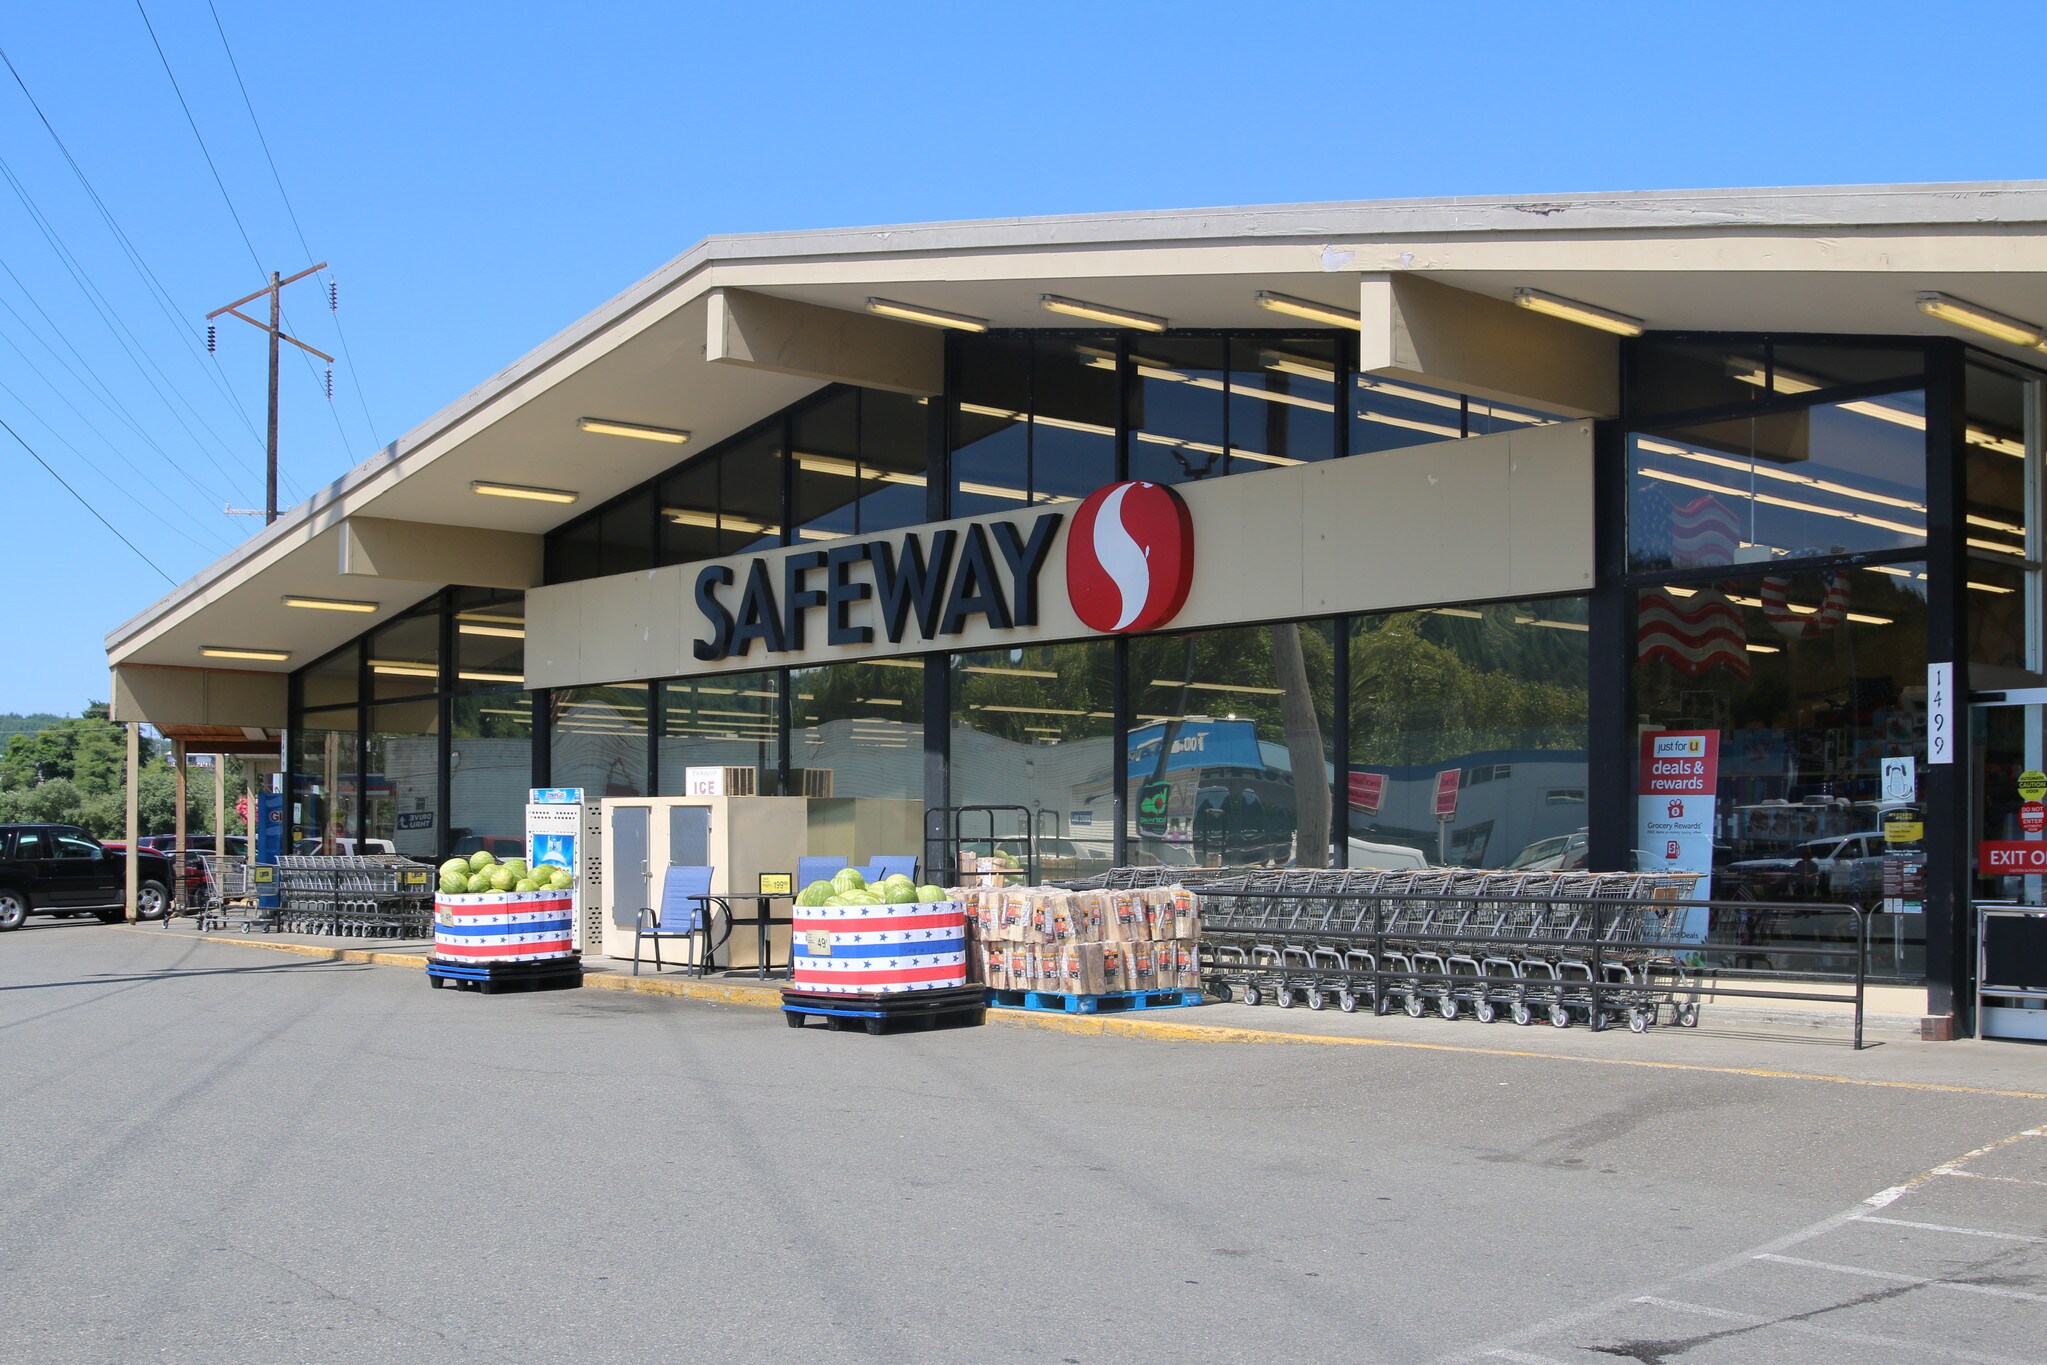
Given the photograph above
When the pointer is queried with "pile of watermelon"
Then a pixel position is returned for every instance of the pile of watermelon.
(849, 887)
(481, 874)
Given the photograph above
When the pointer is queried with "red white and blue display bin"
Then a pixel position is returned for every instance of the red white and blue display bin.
(878, 949)
(505, 927)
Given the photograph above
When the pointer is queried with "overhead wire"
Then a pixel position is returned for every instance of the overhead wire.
(170, 523)
(354, 374)
(104, 392)
(161, 296)
(85, 502)
(228, 199)
(93, 427)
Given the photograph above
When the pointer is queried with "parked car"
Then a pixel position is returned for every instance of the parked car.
(345, 847)
(1835, 868)
(62, 870)
(167, 844)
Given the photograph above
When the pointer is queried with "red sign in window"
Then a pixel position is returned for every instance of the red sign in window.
(1368, 791)
(2032, 817)
(1446, 792)
(2006, 857)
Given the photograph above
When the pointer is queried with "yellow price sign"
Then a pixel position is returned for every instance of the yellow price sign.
(1904, 831)
(777, 883)
(2032, 784)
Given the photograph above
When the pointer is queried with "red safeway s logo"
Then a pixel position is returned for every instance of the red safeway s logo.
(1129, 557)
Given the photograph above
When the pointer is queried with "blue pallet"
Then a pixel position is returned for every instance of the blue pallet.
(1050, 1002)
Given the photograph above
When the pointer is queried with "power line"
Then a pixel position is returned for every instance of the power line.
(103, 308)
(170, 524)
(104, 393)
(86, 503)
(226, 198)
(354, 374)
(90, 425)
(159, 294)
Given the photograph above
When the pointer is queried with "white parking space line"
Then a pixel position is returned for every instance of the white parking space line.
(1919, 1281)
(1581, 1319)
(1960, 1232)
(1807, 1329)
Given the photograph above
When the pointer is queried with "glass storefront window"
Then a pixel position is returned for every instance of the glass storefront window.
(401, 778)
(1496, 695)
(625, 535)
(750, 494)
(1834, 479)
(1391, 414)
(688, 501)
(2001, 544)
(598, 739)
(991, 406)
(334, 680)
(1073, 416)
(895, 455)
(1282, 402)
(827, 479)
(326, 787)
(490, 769)
(1230, 754)
(727, 720)
(1035, 727)
(490, 638)
(1176, 414)
(1811, 681)
(405, 657)
(863, 723)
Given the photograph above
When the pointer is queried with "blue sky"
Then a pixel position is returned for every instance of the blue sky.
(479, 176)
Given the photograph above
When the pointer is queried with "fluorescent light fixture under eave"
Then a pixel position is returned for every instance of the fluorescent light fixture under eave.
(492, 677)
(519, 490)
(1095, 312)
(497, 632)
(604, 426)
(930, 317)
(1307, 308)
(1584, 314)
(1984, 320)
(268, 656)
(327, 603)
(400, 669)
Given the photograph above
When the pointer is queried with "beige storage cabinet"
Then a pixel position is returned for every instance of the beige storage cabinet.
(738, 837)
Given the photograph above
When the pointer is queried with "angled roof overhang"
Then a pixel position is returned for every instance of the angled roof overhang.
(667, 352)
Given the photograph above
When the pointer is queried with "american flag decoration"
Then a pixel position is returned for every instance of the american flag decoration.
(1703, 531)
(511, 926)
(1691, 634)
(878, 949)
(1795, 625)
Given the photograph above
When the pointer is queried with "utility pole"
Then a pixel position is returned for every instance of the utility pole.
(274, 289)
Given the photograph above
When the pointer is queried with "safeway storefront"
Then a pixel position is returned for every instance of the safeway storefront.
(1367, 535)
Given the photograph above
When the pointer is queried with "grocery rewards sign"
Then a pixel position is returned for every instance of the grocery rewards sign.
(1675, 795)
(1128, 566)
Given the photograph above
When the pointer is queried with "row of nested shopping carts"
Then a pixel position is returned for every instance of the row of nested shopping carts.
(379, 895)
(1596, 946)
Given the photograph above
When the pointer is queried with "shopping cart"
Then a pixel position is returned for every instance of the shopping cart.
(233, 895)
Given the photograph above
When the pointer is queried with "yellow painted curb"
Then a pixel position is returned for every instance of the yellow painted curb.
(1118, 1026)
(717, 992)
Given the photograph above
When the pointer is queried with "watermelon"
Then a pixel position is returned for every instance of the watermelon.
(930, 894)
(481, 859)
(815, 893)
(849, 879)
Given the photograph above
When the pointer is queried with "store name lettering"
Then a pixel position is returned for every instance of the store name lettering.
(934, 582)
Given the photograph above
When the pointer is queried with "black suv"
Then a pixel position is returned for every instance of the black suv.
(62, 870)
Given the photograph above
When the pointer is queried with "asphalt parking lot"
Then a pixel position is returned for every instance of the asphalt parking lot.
(224, 1154)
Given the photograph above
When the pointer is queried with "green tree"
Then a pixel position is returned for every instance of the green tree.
(88, 749)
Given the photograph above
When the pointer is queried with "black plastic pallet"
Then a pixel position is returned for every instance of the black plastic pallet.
(954, 1006)
(553, 974)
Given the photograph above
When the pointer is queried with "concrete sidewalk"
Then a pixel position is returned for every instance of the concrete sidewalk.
(1747, 1037)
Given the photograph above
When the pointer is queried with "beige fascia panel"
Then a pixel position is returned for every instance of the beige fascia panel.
(200, 696)
(1420, 330)
(424, 552)
(807, 341)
